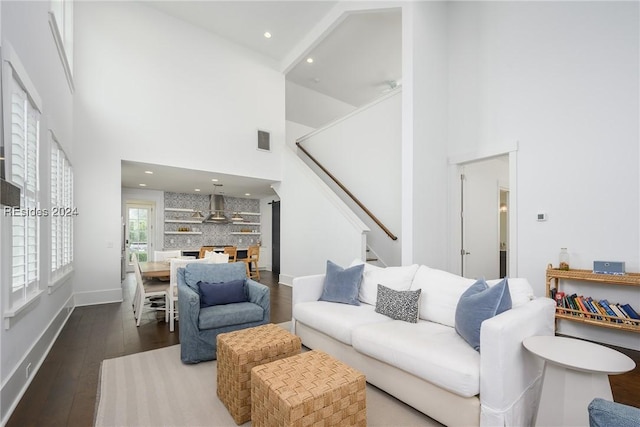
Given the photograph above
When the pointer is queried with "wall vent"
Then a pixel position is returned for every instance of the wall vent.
(264, 142)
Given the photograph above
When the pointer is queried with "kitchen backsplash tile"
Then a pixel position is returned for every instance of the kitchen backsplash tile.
(212, 234)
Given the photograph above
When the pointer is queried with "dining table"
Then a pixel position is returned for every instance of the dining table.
(155, 269)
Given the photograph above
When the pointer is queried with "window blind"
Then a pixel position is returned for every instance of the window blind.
(25, 128)
(61, 210)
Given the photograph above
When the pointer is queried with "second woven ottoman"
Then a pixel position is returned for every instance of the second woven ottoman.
(310, 389)
(238, 352)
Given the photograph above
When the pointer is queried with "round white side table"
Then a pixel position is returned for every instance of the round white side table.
(575, 372)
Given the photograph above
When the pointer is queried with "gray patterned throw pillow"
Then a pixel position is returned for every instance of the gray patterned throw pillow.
(399, 305)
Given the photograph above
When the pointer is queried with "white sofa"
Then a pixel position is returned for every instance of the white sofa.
(427, 364)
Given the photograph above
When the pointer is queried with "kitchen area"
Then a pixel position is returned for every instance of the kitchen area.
(195, 220)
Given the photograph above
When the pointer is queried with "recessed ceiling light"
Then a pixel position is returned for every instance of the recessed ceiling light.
(196, 189)
(149, 172)
(267, 34)
(247, 194)
(142, 185)
(214, 179)
(310, 60)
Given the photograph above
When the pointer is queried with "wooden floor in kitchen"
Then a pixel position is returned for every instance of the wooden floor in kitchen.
(63, 392)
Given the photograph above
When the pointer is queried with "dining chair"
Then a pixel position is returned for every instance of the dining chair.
(165, 255)
(204, 250)
(145, 291)
(251, 262)
(232, 251)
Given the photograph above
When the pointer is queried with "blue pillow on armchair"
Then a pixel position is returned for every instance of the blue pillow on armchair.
(222, 293)
(342, 285)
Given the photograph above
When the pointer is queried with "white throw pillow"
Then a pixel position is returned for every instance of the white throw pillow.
(441, 291)
(397, 278)
(519, 288)
(217, 258)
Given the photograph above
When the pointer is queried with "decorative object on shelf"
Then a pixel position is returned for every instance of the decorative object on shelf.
(197, 215)
(236, 217)
(564, 259)
(608, 267)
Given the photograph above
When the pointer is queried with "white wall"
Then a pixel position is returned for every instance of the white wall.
(424, 161)
(363, 151)
(153, 89)
(562, 80)
(25, 26)
(294, 131)
(315, 225)
(311, 108)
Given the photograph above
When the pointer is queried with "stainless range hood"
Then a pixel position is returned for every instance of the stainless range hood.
(216, 208)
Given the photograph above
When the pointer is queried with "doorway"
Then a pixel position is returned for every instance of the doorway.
(483, 184)
(139, 231)
(275, 237)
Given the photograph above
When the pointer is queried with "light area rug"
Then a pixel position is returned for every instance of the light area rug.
(155, 388)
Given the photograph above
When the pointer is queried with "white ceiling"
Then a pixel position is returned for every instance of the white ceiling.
(352, 64)
(178, 180)
(245, 22)
(356, 62)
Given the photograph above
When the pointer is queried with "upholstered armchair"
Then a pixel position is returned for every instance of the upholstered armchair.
(199, 326)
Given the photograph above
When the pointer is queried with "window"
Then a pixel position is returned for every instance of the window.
(61, 211)
(61, 23)
(22, 138)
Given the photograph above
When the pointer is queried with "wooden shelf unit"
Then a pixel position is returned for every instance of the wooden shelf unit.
(628, 279)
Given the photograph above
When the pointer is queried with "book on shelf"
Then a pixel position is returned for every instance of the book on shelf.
(583, 306)
(625, 315)
(631, 312)
(600, 309)
(605, 304)
(592, 307)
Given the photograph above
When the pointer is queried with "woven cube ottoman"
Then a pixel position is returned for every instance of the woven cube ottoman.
(241, 350)
(310, 389)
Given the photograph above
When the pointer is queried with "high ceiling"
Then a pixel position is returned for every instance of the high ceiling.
(359, 60)
(178, 180)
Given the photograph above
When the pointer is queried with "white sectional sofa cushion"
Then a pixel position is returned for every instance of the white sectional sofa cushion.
(519, 289)
(337, 320)
(428, 350)
(397, 278)
(441, 291)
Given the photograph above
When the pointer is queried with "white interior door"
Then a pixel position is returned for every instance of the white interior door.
(481, 182)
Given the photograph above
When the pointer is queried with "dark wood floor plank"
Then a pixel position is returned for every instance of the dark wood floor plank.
(64, 391)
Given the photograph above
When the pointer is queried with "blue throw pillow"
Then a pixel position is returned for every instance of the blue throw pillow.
(222, 293)
(342, 285)
(477, 304)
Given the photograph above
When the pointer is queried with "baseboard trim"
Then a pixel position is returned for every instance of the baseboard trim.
(98, 297)
(17, 382)
(285, 279)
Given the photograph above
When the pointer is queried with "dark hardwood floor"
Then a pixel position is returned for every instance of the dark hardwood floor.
(63, 392)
